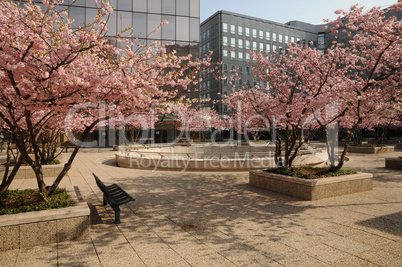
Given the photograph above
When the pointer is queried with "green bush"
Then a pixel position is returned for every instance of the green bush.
(310, 172)
(16, 201)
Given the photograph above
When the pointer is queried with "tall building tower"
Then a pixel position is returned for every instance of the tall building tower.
(232, 37)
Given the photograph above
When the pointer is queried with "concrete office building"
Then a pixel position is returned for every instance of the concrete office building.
(231, 37)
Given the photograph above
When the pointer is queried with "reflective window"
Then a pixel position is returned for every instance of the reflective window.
(240, 30)
(232, 29)
(298, 39)
(195, 30)
(225, 27)
(286, 38)
(169, 7)
(274, 47)
(90, 3)
(280, 38)
(208, 33)
(78, 14)
(274, 37)
(254, 33)
(139, 27)
(268, 48)
(261, 47)
(194, 8)
(247, 31)
(183, 7)
(240, 55)
(111, 24)
(233, 42)
(292, 39)
(90, 14)
(247, 44)
(169, 30)
(140, 5)
(154, 6)
(183, 28)
(261, 34)
(124, 5)
(153, 22)
(247, 56)
(225, 53)
(254, 46)
(240, 43)
(123, 22)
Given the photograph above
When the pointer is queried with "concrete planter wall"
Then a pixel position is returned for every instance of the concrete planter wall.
(393, 163)
(312, 189)
(370, 150)
(46, 226)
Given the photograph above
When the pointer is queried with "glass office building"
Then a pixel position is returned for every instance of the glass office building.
(145, 16)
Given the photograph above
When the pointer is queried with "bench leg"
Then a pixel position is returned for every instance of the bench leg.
(104, 199)
(117, 217)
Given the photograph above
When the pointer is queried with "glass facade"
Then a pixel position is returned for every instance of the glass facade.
(145, 15)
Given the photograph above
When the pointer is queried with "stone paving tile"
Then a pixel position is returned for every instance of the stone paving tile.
(9, 257)
(352, 261)
(77, 254)
(37, 256)
(382, 258)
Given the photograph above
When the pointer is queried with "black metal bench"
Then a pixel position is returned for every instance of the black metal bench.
(115, 196)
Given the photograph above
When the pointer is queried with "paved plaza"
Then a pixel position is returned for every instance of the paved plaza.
(217, 219)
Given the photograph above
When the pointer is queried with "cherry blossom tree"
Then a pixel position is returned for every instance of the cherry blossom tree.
(348, 86)
(55, 77)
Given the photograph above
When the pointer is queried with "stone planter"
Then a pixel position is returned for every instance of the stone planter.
(370, 150)
(312, 189)
(393, 163)
(26, 172)
(43, 227)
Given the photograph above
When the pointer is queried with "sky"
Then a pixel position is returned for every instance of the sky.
(310, 11)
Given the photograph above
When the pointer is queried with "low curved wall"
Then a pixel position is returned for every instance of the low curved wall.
(198, 157)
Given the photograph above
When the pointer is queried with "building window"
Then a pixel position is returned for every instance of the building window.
(232, 29)
(286, 38)
(268, 48)
(182, 7)
(247, 56)
(241, 67)
(280, 38)
(261, 47)
(248, 82)
(298, 40)
(240, 55)
(225, 40)
(254, 33)
(248, 70)
(233, 42)
(232, 54)
(182, 28)
(247, 44)
(274, 37)
(225, 27)
(240, 43)
(233, 67)
(292, 39)
(208, 33)
(247, 31)
(225, 53)
(240, 82)
(321, 41)
(261, 34)
(168, 6)
(274, 47)
(240, 30)
(267, 36)
(254, 46)
(225, 67)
